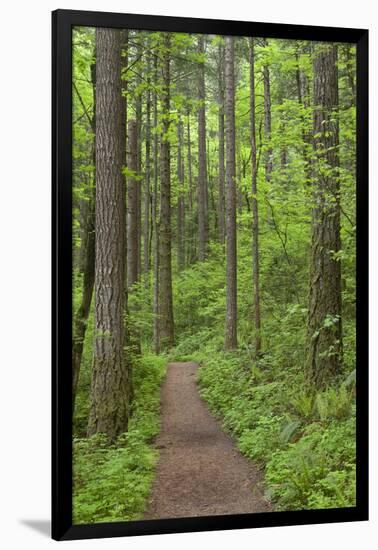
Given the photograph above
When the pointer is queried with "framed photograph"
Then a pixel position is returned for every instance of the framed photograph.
(210, 190)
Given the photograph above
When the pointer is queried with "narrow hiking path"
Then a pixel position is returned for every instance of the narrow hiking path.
(200, 471)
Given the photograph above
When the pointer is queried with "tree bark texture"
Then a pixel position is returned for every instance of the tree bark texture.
(202, 168)
(191, 248)
(132, 205)
(324, 316)
(155, 221)
(255, 213)
(165, 240)
(124, 85)
(221, 176)
(180, 201)
(231, 267)
(109, 409)
(138, 119)
(147, 192)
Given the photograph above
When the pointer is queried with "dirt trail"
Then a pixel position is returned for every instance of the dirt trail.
(200, 471)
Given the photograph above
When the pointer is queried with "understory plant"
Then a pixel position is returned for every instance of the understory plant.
(113, 482)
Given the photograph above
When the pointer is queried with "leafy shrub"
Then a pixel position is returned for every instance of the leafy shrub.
(305, 440)
(112, 483)
(334, 403)
(263, 440)
(303, 404)
(317, 471)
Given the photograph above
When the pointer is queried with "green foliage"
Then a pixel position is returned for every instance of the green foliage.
(265, 404)
(305, 440)
(112, 483)
(318, 471)
(334, 403)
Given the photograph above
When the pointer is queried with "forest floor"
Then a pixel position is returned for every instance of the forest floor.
(200, 471)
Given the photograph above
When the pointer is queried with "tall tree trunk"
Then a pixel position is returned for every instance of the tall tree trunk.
(138, 119)
(81, 318)
(202, 169)
(191, 228)
(165, 300)
(221, 172)
(324, 316)
(109, 408)
(124, 85)
(267, 120)
(132, 205)
(180, 202)
(255, 213)
(231, 267)
(147, 191)
(155, 221)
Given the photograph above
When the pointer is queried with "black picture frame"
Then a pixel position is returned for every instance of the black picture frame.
(62, 23)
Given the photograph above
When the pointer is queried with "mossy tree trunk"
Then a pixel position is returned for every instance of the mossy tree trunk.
(324, 316)
(165, 239)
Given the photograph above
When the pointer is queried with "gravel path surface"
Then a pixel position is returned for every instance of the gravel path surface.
(200, 471)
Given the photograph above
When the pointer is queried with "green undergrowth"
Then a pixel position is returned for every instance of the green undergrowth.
(305, 442)
(112, 483)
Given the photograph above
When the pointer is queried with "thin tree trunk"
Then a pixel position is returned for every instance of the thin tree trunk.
(212, 201)
(81, 318)
(147, 192)
(191, 229)
(255, 214)
(82, 314)
(132, 206)
(202, 169)
(221, 172)
(109, 409)
(138, 118)
(267, 121)
(324, 316)
(165, 299)
(155, 221)
(124, 85)
(231, 267)
(180, 202)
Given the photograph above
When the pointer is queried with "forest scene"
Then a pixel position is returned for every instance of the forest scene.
(214, 285)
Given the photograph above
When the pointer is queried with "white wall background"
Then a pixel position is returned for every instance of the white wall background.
(25, 268)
